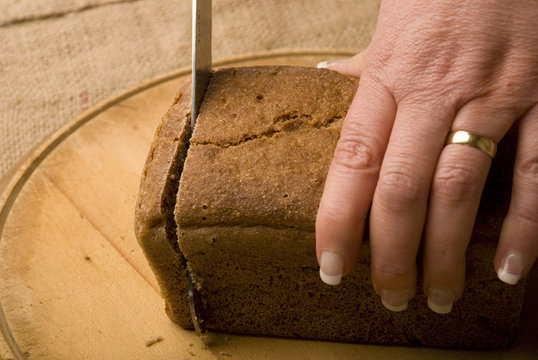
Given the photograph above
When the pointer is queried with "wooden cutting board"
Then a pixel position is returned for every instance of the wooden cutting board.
(75, 285)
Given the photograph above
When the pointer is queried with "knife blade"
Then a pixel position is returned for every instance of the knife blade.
(201, 54)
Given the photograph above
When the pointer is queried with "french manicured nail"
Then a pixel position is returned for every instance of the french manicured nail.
(394, 300)
(511, 268)
(327, 64)
(440, 300)
(331, 268)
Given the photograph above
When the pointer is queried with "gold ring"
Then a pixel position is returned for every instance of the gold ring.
(479, 142)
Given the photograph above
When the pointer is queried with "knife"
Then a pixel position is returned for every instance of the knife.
(201, 54)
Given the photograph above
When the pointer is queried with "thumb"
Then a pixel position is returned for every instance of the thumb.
(350, 66)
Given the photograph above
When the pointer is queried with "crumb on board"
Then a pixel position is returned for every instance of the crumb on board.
(154, 341)
(208, 338)
(224, 353)
(87, 258)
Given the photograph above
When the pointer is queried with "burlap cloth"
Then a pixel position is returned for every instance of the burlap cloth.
(59, 57)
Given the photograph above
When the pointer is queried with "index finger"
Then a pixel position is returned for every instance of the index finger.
(352, 179)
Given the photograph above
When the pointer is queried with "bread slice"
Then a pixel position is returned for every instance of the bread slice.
(155, 227)
(246, 207)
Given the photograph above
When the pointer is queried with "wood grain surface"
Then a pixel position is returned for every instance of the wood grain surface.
(75, 285)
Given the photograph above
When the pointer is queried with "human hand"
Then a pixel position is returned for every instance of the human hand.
(433, 66)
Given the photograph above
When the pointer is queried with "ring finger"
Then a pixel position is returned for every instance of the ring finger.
(454, 199)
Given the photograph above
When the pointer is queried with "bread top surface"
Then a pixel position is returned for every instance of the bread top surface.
(262, 146)
(242, 103)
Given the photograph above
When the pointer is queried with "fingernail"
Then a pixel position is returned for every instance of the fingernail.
(440, 300)
(511, 268)
(394, 300)
(331, 268)
(327, 64)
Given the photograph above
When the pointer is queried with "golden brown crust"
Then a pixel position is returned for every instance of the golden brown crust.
(265, 137)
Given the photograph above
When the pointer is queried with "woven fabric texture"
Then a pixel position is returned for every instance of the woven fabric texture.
(59, 57)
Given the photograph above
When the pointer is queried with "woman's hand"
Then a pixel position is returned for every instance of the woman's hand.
(433, 66)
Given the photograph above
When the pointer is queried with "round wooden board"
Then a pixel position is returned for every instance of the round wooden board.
(73, 281)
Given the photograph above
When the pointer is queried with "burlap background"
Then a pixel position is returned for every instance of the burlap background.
(59, 57)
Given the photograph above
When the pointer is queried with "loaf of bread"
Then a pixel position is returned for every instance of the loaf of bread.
(246, 190)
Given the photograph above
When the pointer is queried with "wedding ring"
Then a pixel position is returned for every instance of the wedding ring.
(479, 142)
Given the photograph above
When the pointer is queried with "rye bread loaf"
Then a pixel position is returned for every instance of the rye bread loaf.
(245, 208)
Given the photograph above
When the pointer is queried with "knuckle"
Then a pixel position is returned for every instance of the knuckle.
(401, 184)
(385, 270)
(527, 172)
(456, 181)
(525, 201)
(528, 214)
(357, 152)
(335, 213)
